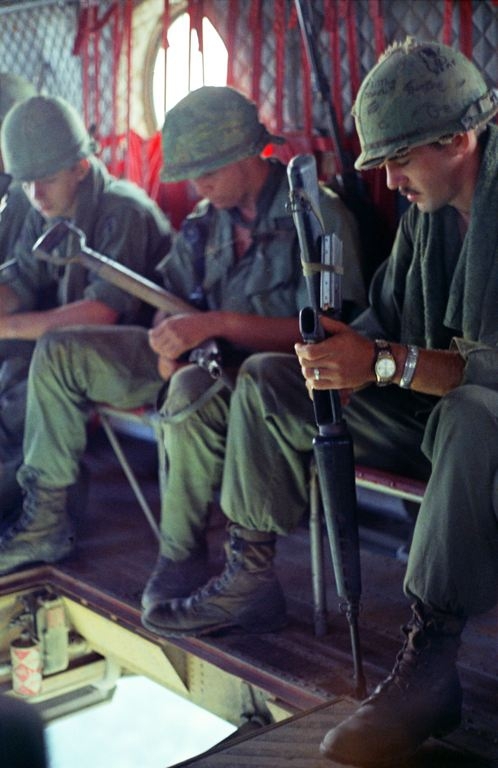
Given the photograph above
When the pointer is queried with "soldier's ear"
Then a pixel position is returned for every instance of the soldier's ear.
(462, 143)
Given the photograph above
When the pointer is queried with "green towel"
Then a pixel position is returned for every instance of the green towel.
(457, 287)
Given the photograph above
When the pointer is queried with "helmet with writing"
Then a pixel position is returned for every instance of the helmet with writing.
(418, 93)
(41, 136)
(209, 128)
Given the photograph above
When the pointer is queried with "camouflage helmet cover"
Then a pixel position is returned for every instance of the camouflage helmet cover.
(418, 93)
(42, 135)
(13, 89)
(209, 128)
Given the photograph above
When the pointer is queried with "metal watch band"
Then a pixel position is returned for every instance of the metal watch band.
(410, 366)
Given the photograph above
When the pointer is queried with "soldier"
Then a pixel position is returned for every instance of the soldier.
(246, 273)
(424, 114)
(12, 89)
(47, 149)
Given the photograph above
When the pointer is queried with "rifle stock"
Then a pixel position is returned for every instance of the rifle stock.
(207, 355)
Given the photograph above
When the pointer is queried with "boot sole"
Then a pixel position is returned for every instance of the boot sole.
(35, 563)
(265, 628)
(392, 762)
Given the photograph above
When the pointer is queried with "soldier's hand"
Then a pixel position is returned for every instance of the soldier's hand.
(342, 361)
(167, 367)
(177, 334)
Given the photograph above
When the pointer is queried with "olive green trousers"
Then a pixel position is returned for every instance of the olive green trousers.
(252, 445)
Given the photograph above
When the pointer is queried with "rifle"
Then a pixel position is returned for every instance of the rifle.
(321, 254)
(207, 355)
(375, 237)
(321, 88)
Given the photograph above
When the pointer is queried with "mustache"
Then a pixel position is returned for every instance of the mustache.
(407, 191)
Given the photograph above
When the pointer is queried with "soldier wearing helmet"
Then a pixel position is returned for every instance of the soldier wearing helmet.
(12, 89)
(237, 258)
(48, 151)
(418, 368)
(13, 204)
(424, 114)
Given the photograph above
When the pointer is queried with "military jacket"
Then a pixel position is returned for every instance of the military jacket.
(437, 290)
(268, 279)
(12, 220)
(120, 221)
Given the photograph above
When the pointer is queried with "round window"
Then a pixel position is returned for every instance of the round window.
(182, 67)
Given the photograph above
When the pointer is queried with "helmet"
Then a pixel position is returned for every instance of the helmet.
(418, 93)
(209, 128)
(12, 89)
(41, 136)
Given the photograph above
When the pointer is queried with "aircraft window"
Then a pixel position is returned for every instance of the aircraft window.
(185, 68)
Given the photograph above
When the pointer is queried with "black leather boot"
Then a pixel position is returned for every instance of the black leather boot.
(42, 534)
(422, 697)
(247, 593)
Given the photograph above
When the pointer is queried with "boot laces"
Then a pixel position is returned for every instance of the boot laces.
(422, 633)
(407, 660)
(216, 584)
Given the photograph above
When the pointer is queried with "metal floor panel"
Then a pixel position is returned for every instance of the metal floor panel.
(115, 554)
(295, 742)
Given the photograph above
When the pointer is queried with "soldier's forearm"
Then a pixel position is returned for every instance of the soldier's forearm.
(437, 371)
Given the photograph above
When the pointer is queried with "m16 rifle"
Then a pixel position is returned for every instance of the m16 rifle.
(375, 234)
(321, 256)
(207, 355)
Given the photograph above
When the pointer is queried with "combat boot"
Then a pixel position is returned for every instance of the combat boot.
(42, 534)
(422, 697)
(246, 594)
(175, 578)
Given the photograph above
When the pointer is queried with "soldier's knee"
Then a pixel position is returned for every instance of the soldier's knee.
(467, 415)
(469, 404)
(267, 369)
(47, 348)
(189, 389)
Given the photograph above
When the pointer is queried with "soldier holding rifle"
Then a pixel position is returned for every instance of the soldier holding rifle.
(49, 153)
(237, 254)
(420, 365)
(424, 114)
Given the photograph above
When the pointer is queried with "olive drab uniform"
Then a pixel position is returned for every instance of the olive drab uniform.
(117, 365)
(118, 220)
(452, 439)
(438, 289)
(12, 217)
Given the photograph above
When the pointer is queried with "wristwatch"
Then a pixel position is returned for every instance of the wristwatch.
(384, 363)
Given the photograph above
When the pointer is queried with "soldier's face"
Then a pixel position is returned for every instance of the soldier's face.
(429, 176)
(225, 188)
(56, 195)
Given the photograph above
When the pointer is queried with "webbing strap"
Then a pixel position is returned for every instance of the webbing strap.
(312, 267)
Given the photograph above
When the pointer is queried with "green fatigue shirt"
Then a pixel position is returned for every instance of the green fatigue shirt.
(120, 221)
(12, 220)
(438, 291)
(268, 279)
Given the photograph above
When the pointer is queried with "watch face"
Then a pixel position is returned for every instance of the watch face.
(385, 367)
